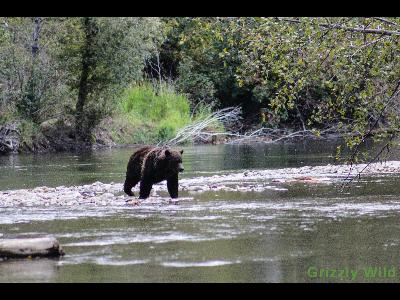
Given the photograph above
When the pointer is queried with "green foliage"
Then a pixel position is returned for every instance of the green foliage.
(165, 111)
(45, 82)
(142, 102)
(149, 114)
(29, 130)
(307, 72)
(199, 86)
(331, 75)
(32, 83)
(7, 114)
(203, 72)
(313, 72)
(102, 57)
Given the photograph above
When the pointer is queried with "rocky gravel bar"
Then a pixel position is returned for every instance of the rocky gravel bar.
(103, 194)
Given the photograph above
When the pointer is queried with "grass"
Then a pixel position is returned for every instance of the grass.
(145, 116)
(148, 115)
(165, 111)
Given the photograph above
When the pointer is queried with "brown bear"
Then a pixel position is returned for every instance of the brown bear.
(151, 165)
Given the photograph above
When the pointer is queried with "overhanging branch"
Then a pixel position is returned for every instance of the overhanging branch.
(345, 28)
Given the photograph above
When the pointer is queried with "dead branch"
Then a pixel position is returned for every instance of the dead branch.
(350, 178)
(225, 116)
(369, 132)
(345, 28)
(386, 21)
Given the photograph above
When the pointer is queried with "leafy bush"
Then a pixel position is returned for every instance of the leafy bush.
(29, 130)
(161, 109)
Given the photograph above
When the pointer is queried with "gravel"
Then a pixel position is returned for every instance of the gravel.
(104, 194)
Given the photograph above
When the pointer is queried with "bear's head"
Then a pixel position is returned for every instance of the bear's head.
(174, 161)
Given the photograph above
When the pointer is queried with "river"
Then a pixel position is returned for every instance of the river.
(297, 233)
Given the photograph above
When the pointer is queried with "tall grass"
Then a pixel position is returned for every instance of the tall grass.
(150, 115)
(159, 113)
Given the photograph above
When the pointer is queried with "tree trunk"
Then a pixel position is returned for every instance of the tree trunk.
(87, 63)
(30, 103)
(36, 31)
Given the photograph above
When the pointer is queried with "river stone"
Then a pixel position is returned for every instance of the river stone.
(107, 196)
(30, 247)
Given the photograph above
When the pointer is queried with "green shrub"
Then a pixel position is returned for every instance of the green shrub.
(7, 114)
(29, 130)
(165, 111)
(165, 133)
(149, 115)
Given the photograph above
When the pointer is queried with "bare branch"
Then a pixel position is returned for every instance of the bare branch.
(225, 116)
(351, 29)
(369, 132)
(349, 179)
(386, 21)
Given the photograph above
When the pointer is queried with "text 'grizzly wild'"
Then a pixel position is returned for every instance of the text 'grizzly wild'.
(151, 165)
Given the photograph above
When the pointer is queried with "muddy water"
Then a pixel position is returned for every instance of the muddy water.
(290, 234)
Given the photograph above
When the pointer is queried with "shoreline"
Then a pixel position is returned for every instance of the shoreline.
(84, 148)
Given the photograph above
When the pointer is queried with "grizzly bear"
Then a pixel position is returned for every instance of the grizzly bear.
(151, 165)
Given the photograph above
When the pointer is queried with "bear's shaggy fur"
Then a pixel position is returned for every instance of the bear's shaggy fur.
(151, 165)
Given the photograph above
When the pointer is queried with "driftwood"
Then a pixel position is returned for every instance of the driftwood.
(9, 138)
(30, 247)
(226, 117)
(230, 117)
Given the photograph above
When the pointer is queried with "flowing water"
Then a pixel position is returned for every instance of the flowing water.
(290, 234)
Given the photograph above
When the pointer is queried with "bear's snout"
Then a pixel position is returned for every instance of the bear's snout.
(180, 168)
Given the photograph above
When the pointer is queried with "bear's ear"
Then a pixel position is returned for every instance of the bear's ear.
(167, 152)
(182, 151)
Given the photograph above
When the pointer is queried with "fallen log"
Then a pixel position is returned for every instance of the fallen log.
(30, 247)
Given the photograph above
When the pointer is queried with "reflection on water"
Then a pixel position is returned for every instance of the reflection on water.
(35, 270)
(219, 236)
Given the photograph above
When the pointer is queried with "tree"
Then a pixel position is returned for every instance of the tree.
(312, 73)
(335, 71)
(88, 62)
(30, 77)
(103, 56)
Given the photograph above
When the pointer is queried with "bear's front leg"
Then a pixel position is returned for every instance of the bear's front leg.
(145, 188)
(130, 182)
(172, 185)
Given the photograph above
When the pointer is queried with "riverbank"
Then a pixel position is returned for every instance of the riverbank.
(142, 114)
(110, 194)
(58, 135)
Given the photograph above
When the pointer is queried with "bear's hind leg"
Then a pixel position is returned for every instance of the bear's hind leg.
(145, 189)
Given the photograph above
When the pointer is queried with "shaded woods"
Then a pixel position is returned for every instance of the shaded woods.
(68, 82)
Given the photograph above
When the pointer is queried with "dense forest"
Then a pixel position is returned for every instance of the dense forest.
(68, 83)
